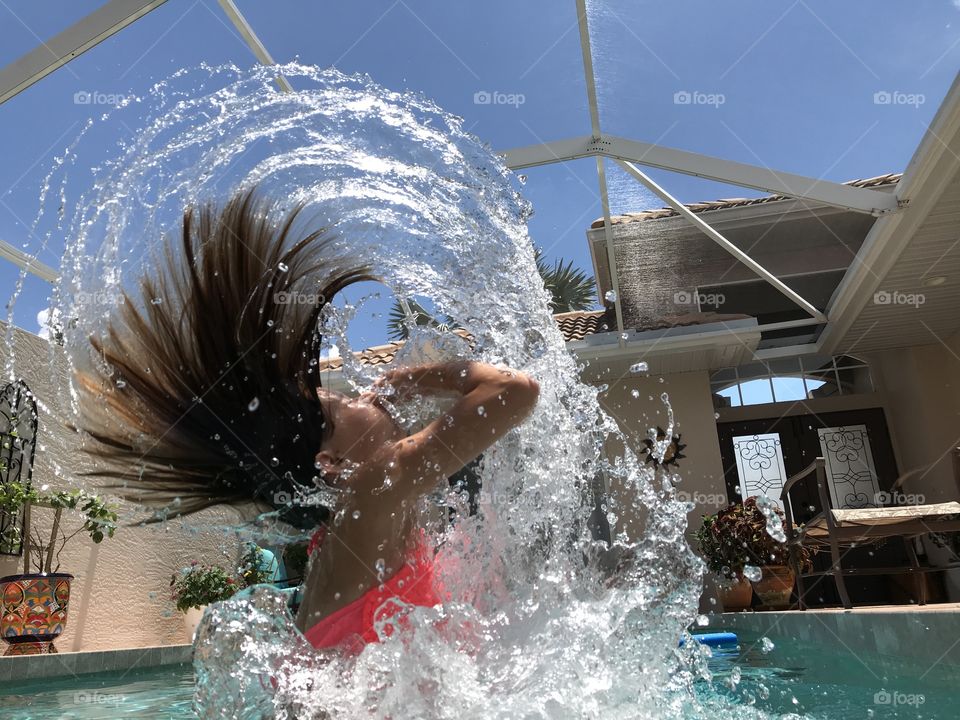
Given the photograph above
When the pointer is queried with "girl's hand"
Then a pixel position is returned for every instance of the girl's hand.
(397, 385)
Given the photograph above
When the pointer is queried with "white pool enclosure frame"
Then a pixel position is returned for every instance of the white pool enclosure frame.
(115, 15)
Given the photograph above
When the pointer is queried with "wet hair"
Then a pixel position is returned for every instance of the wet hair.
(202, 390)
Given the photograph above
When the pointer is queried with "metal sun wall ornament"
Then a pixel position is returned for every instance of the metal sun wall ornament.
(18, 439)
(672, 453)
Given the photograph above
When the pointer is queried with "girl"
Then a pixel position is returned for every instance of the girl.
(204, 391)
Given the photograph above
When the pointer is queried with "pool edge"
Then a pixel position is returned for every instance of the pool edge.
(39, 667)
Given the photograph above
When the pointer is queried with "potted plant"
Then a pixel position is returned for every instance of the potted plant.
(736, 545)
(33, 605)
(726, 559)
(198, 585)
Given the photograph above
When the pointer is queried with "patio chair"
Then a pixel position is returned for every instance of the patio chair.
(840, 529)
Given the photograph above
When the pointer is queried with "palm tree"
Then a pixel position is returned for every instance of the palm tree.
(570, 289)
(397, 327)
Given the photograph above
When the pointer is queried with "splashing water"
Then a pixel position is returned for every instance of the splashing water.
(774, 523)
(532, 629)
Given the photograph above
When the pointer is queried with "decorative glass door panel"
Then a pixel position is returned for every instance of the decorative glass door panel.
(760, 465)
(851, 473)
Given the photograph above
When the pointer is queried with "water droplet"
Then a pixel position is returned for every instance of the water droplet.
(640, 367)
(766, 644)
(121, 384)
(624, 336)
(355, 515)
(156, 301)
(702, 620)
(635, 393)
(481, 411)
(610, 296)
(282, 267)
(774, 523)
(254, 404)
(752, 573)
(274, 462)
(522, 179)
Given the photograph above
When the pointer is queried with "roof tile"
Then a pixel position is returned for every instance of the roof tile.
(573, 326)
(699, 207)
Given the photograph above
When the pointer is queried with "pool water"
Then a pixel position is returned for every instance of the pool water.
(167, 692)
(153, 693)
(822, 683)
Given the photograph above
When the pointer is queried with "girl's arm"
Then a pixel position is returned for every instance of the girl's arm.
(492, 401)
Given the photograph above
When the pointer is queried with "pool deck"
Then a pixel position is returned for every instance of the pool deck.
(38, 667)
(921, 643)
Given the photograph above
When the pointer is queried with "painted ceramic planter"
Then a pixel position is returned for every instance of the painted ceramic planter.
(775, 587)
(33, 611)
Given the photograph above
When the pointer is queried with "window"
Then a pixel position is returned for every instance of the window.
(789, 379)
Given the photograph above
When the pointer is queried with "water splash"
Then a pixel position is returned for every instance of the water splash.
(534, 628)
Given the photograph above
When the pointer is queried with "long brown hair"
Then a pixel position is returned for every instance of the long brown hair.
(203, 389)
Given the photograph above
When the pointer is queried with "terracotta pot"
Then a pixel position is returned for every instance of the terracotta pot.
(33, 611)
(735, 595)
(775, 587)
(191, 619)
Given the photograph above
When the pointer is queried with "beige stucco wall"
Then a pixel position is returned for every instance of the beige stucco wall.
(120, 597)
(689, 395)
(922, 389)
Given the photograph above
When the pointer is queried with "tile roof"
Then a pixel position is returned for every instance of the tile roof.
(573, 326)
(879, 181)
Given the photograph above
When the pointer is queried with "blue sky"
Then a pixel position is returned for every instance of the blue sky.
(790, 85)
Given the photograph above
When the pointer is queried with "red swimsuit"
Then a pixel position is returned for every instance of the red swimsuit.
(354, 625)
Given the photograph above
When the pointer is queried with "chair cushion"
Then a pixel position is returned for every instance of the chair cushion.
(874, 517)
(893, 515)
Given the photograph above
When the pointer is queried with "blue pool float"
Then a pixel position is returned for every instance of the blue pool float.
(724, 640)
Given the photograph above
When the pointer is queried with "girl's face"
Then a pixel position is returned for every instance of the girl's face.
(361, 426)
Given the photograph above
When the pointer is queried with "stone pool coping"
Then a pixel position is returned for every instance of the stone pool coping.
(38, 667)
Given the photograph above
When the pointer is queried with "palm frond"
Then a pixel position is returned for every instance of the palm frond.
(398, 327)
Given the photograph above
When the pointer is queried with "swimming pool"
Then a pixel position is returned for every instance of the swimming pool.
(152, 693)
(828, 684)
